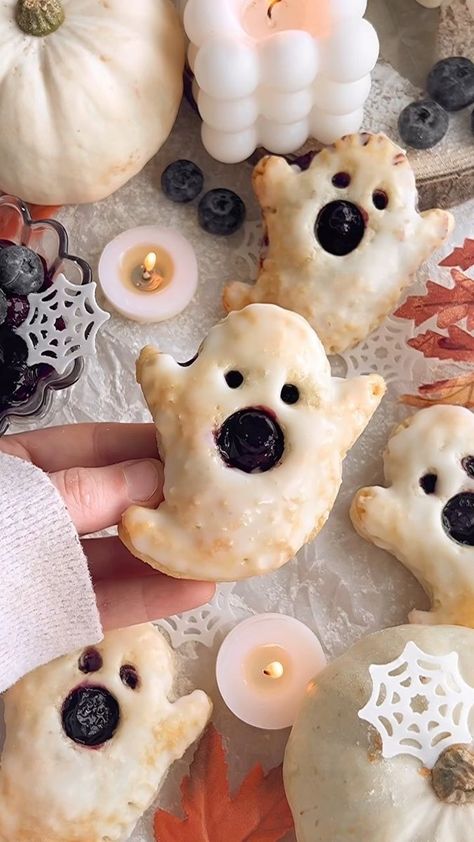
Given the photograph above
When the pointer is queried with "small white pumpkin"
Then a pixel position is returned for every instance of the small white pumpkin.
(89, 91)
(339, 786)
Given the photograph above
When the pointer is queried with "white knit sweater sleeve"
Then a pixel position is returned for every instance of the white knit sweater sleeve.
(47, 603)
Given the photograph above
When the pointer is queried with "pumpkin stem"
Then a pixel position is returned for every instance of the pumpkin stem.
(39, 17)
(452, 776)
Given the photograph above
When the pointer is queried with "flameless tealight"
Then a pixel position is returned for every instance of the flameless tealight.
(149, 274)
(264, 667)
(274, 72)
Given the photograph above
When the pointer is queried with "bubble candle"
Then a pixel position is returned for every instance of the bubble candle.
(275, 72)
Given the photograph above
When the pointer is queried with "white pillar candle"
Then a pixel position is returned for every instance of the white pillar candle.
(264, 668)
(149, 274)
(275, 72)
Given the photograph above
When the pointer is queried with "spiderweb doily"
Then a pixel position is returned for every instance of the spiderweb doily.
(62, 323)
(420, 704)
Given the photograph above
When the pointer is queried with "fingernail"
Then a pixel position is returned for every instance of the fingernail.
(144, 479)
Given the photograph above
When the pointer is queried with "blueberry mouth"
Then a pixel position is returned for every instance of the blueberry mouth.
(251, 440)
(340, 227)
(458, 518)
(90, 716)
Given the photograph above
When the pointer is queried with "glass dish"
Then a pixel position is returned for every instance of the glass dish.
(49, 239)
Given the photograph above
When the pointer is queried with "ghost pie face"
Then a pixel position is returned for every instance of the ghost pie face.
(425, 516)
(344, 237)
(89, 739)
(252, 434)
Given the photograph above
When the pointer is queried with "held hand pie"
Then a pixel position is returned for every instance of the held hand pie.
(344, 237)
(426, 516)
(90, 737)
(252, 433)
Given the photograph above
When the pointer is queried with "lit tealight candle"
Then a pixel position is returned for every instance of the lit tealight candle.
(149, 274)
(264, 667)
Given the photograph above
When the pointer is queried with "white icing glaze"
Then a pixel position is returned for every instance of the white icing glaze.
(407, 522)
(343, 298)
(217, 522)
(53, 790)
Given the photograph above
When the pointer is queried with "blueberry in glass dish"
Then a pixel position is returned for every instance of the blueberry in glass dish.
(32, 253)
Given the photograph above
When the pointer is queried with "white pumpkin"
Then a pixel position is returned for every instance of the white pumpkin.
(89, 91)
(340, 787)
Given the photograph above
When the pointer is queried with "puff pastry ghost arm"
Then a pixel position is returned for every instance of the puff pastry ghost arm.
(355, 402)
(186, 721)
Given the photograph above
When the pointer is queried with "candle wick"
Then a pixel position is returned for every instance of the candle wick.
(271, 7)
(274, 670)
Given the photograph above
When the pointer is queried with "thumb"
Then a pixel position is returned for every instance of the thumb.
(96, 498)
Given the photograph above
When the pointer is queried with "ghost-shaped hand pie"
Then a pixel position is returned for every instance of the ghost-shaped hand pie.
(89, 738)
(344, 237)
(426, 515)
(252, 433)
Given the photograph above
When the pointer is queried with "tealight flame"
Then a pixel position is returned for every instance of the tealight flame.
(274, 670)
(150, 262)
(271, 5)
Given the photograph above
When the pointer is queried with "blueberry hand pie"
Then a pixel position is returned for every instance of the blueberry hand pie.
(252, 434)
(344, 237)
(426, 515)
(89, 739)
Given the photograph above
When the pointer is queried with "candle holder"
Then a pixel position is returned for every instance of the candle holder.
(272, 73)
(49, 239)
(264, 668)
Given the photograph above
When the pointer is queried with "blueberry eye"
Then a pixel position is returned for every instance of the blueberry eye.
(90, 661)
(129, 676)
(468, 465)
(290, 394)
(234, 379)
(380, 199)
(341, 179)
(189, 362)
(428, 483)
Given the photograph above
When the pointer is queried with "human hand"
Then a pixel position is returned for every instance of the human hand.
(100, 470)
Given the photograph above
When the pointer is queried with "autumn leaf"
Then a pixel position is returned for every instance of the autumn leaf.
(449, 304)
(462, 256)
(259, 812)
(458, 345)
(458, 391)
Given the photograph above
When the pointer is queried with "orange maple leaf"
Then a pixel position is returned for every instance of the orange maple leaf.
(457, 345)
(259, 812)
(458, 391)
(463, 256)
(449, 304)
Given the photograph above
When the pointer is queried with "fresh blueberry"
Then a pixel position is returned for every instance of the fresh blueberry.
(251, 440)
(21, 270)
(90, 716)
(339, 228)
(221, 212)
(458, 518)
(3, 307)
(451, 83)
(423, 124)
(18, 309)
(182, 181)
(13, 347)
